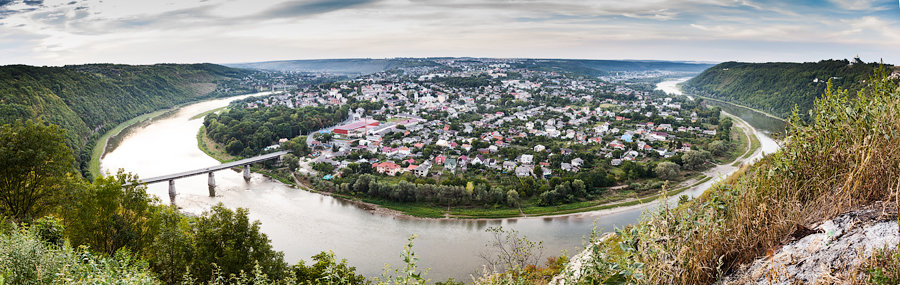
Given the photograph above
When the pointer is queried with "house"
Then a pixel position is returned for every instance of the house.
(509, 165)
(450, 164)
(547, 173)
(565, 151)
(567, 167)
(577, 162)
(539, 148)
(616, 144)
(422, 170)
(440, 159)
(526, 159)
(523, 171)
(387, 167)
(478, 160)
(630, 155)
(616, 162)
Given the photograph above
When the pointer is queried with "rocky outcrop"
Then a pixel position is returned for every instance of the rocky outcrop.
(831, 252)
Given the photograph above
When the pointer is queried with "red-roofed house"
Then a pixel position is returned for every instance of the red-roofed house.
(387, 167)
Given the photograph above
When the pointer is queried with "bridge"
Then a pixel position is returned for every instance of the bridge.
(210, 170)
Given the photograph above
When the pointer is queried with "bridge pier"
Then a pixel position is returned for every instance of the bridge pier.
(212, 184)
(247, 172)
(172, 191)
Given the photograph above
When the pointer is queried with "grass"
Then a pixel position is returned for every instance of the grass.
(202, 115)
(100, 146)
(413, 209)
(211, 148)
(844, 159)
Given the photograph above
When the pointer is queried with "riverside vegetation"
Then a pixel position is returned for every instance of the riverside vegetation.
(843, 159)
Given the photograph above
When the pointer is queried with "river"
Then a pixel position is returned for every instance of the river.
(302, 224)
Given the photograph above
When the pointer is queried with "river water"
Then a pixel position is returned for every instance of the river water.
(302, 224)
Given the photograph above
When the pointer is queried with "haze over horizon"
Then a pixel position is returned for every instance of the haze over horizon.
(59, 32)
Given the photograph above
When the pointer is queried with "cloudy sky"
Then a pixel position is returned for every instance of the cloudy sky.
(54, 32)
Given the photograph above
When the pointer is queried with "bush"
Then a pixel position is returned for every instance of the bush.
(26, 259)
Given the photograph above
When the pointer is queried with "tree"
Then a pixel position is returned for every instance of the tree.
(229, 242)
(695, 159)
(512, 198)
(172, 250)
(718, 147)
(35, 168)
(112, 213)
(667, 170)
(291, 161)
(234, 147)
(508, 251)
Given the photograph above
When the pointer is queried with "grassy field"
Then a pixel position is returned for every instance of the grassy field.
(100, 145)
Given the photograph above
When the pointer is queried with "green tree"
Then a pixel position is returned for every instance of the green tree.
(35, 168)
(171, 252)
(512, 198)
(718, 147)
(667, 170)
(291, 161)
(112, 213)
(229, 242)
(695, 159)
(326, 269)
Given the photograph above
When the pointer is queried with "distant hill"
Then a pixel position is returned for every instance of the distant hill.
(603, 67)
(367, 66)
(87, 100)
(353, 66)
(777, 87)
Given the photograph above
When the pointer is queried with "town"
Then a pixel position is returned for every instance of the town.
(496, 122)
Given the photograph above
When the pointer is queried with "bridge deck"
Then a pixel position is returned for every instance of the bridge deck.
(214, 168)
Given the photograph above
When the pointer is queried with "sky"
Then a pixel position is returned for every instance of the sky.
(54, 32)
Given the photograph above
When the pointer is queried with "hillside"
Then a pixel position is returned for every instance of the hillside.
(776, 87)
(87, 100)
(360, 66)
(349, 66)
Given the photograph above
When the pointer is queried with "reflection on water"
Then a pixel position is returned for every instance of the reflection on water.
(302, 224)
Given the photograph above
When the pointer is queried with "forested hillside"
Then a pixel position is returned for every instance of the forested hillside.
(776, 87)
(87, 100)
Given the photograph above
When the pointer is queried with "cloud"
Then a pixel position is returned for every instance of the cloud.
(304, 8)
(140, 31)
(859, 5)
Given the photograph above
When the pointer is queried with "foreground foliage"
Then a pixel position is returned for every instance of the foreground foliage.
(845, 158)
